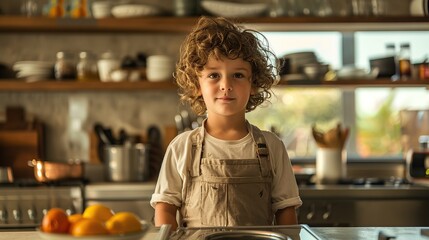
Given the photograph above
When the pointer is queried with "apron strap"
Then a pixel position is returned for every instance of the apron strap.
(197, 151)
(262, 151)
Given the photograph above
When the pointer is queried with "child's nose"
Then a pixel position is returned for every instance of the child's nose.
(225, 84)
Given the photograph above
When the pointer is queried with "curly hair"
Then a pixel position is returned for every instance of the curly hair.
(218, 37)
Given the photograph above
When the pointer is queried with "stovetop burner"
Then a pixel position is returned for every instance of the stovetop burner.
(369, 181)
(294, 232)
(374, 181)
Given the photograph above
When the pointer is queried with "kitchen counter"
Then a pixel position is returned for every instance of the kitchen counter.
(331, 233)
(363, 191)
(368, 233)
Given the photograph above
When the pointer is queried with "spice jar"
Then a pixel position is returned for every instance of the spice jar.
(405, 61)
(86, 68)
(65, 68)
(424, 69)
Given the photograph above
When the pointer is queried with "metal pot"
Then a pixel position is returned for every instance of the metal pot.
(6, 175)
(127, 163)
(54, 171)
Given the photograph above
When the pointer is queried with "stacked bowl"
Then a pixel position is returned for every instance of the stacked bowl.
(32, 71)
(159, 68)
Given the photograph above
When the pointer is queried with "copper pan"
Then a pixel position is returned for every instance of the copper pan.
(45, 171)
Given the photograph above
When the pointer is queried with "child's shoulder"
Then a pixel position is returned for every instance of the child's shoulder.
(270, 137)
(184, 138)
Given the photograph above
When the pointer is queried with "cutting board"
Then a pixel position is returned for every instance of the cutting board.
(20, 142)
(17, 147)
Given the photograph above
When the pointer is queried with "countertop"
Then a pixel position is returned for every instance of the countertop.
(331, 233)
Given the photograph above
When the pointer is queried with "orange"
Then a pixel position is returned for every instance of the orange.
(75, 217)
(99, 212)
(55, 221)
(123, 222)
(88, 227)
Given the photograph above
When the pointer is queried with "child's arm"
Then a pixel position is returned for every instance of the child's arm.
(286, 216)
(165, 214)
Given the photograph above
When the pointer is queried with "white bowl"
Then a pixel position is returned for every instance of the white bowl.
(230, 9)
(101, 9)
(157, 74)
(134, 10)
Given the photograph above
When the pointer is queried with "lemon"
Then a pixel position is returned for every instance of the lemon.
(99, 212)
(123, 222)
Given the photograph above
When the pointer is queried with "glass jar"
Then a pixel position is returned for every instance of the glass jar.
(65, 67)
(86, 68)
(405, 61)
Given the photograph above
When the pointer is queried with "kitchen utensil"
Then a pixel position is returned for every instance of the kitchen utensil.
(103, 140)
(186, 120)
(333, 138)
(128, 163)
(6, 175)
(156, 152)
(123, 137)
(179, 123)
(45, 171)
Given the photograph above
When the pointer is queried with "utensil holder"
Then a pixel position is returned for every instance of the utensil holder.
(330, 165)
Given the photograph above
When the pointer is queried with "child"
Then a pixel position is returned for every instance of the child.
(226, 172)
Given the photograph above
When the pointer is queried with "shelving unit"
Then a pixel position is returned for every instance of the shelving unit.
(177, 25)
(170, 24)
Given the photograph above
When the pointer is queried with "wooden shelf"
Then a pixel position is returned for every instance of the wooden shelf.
(169, 24)
(73, 86)
(56, 86)
(357, 83)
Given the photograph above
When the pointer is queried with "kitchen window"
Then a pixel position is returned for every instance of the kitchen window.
(372, 114)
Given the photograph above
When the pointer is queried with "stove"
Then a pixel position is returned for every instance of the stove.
(24, 203)
(292, 232)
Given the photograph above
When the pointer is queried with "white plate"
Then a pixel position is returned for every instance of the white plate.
(230, 9)
(31, 65)
(57, 236)
(134, 10)
(29, 72)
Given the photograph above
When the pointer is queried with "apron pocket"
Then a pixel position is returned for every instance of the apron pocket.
(213, 204)
(252, 204)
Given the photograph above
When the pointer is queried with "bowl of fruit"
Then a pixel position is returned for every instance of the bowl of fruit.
(96, 222)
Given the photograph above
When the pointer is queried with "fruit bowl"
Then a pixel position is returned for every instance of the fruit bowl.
(129, 236)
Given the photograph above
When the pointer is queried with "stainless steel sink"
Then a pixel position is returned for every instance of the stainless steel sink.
(247, 235)
(289, 232)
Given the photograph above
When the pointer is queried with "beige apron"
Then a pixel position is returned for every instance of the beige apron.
(229, 192)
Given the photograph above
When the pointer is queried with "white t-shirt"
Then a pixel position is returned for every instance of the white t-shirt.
(172, 179)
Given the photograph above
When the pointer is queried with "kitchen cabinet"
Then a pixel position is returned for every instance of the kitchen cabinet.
(175, 25)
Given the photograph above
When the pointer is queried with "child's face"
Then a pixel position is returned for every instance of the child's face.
(225, 85)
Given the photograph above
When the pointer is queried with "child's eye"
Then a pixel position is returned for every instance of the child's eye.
(238, 75)
(213, 76)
